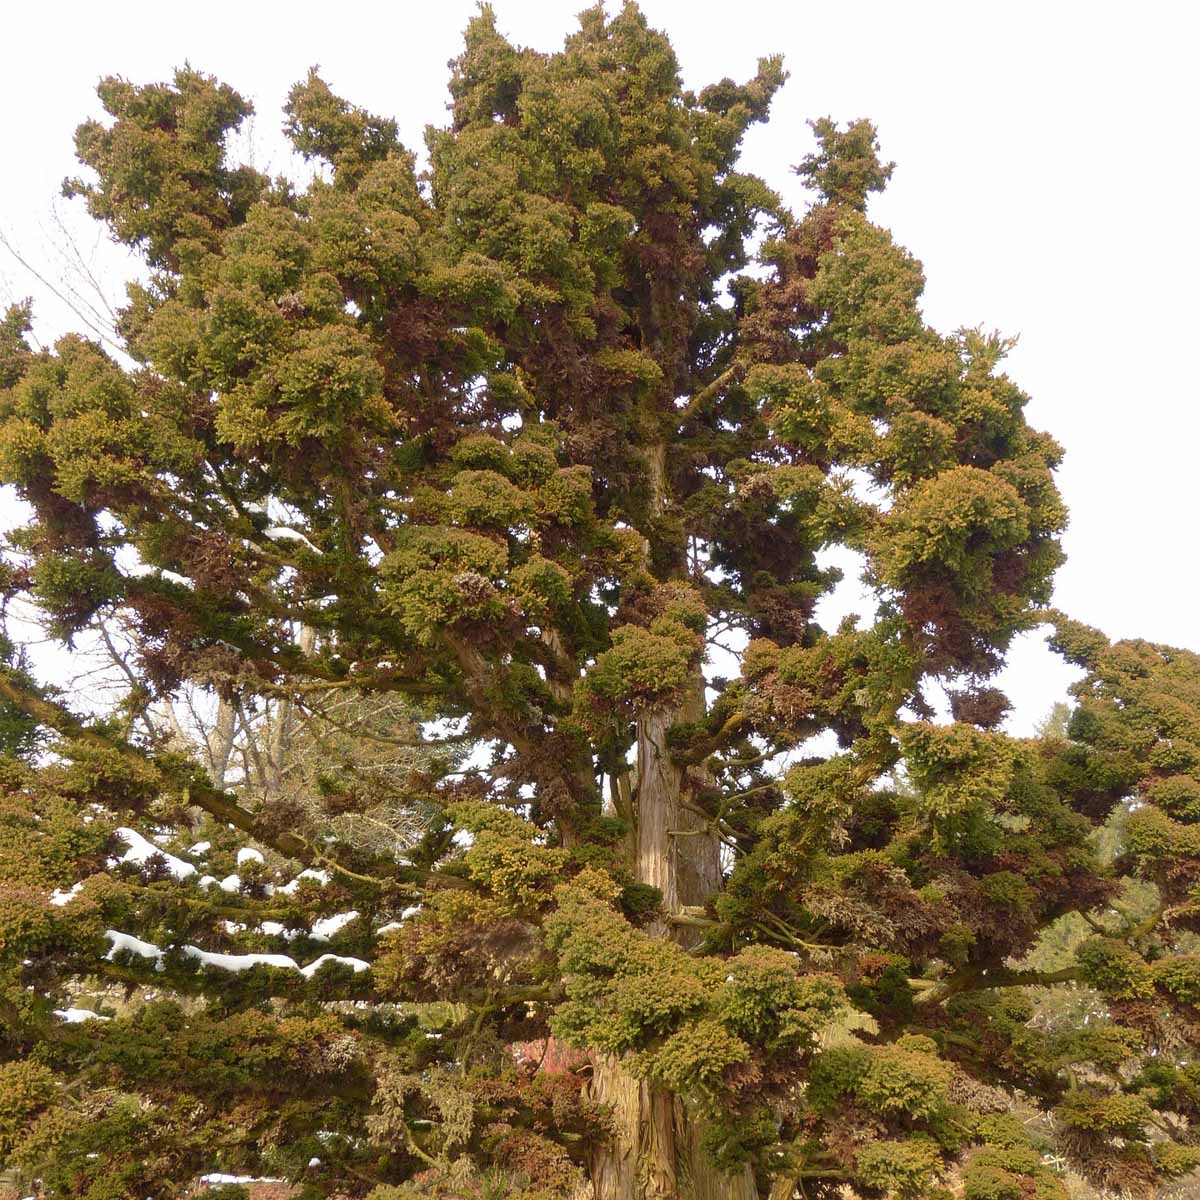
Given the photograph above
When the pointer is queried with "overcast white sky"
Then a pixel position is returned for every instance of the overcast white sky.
(1046, 176)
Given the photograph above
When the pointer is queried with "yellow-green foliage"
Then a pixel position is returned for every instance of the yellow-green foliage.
(1115, 969)
(956, 768)
(27, 1088)
(646, 664)
(906, 1078)
(900, 1169)
(689, 1020)
(1109, 1113)
(503, 859)
(442, 575)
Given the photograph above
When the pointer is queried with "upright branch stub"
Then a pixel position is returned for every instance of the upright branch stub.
(845, 168)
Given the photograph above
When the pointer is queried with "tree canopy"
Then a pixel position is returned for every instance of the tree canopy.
(483, 508)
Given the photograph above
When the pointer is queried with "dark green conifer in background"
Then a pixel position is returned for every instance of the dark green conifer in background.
(500, 454)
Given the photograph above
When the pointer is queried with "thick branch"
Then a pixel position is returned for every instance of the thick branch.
(981, 979)
(701, 398)
(698, 752)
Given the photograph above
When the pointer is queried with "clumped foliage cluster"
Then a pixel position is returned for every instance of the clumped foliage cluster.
(506, 446)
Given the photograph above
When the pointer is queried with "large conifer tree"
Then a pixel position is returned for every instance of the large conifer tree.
(518, 445)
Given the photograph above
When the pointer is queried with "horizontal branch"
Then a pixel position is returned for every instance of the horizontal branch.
(982, 979)
(221, 805)
(692, 917)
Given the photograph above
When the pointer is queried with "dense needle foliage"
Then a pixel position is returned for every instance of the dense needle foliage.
(512, 447)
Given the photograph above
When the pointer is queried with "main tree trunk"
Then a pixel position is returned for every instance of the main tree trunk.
(655, 1151)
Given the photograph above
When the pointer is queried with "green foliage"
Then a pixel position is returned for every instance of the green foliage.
(163, 184)
(1008, 1172)
(502, 859)
(846, 167)
(690, 1022)
(901, 1169)
(1111, 1114)
(956, 766)
(904, 1078)
(28, 1089)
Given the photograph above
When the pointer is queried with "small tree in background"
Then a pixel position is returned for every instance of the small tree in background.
(501, 455)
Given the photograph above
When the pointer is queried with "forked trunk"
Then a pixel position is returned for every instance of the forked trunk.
(678, 851)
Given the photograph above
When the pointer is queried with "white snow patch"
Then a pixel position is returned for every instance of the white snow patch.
(76, 1016)
(206, 881)
(326, 927)
(226, 962)
(240, 962)
(141, 570)
(313, 967)
(140, 850)
(217, 1177)
(249, 854)
(290, 889)
(322, 929)
(231, 883)
(281, 533)
(126, 941)
(200, 848)
(58, 898)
